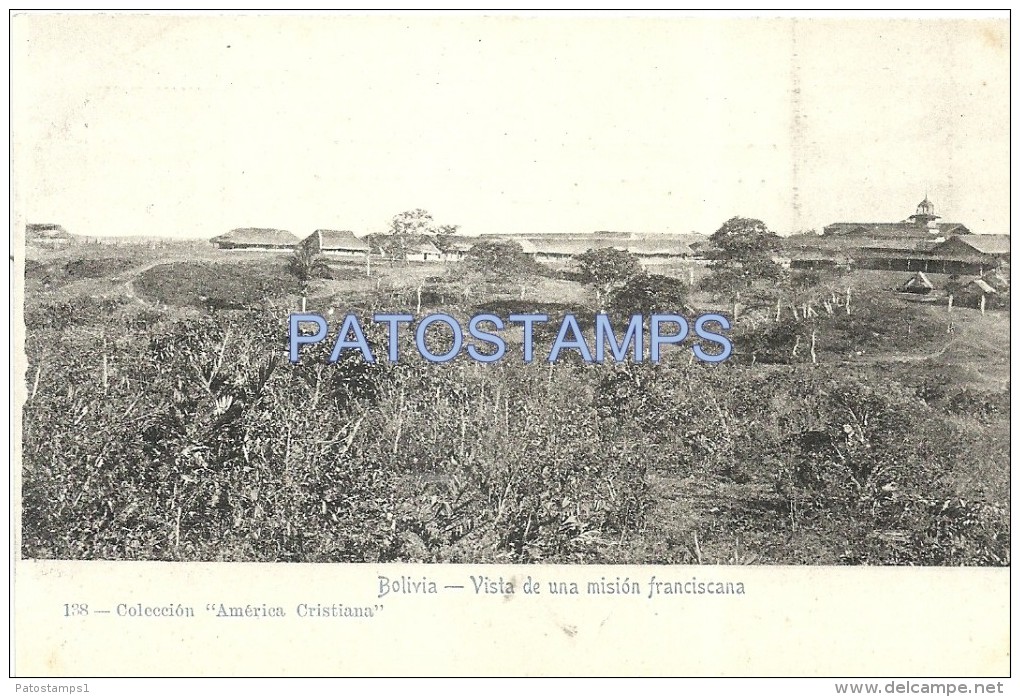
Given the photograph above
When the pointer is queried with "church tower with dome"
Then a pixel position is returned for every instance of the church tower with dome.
(925, 215)
(921, 225)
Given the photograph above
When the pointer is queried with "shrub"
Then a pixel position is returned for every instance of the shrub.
(204, 442)
(222, 286)
(96, 268)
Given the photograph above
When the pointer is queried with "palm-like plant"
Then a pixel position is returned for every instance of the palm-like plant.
(305, 264)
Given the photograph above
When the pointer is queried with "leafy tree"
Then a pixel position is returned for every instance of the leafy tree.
(409, 229)
(380, 242)
(413, 223)
(606, 269)
(444, 237)
(646, 294)
(502, 260)
(745, 239)
(744, 251)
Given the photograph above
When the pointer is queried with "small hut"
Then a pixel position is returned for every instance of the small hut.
(917, 284)
(997, 280)
(980, 287)
(424, 251)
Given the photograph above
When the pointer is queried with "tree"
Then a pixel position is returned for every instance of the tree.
(647, 294)
(444, 237)
(415, 223)
(745, 239)
(744, 255)
(606, 269)
(408, 230)
(305, 265)
(502, 260)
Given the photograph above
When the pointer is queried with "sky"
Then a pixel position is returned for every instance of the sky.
(189, 126)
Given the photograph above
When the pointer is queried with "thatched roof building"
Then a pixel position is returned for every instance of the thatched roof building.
(336, 242)
(47, 235)
(257, 238)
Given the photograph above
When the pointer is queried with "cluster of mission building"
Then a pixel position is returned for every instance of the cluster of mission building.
(920, 243)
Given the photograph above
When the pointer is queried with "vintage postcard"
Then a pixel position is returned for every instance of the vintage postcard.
(649, 344)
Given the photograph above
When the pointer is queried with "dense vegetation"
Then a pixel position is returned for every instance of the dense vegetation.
(171, 425)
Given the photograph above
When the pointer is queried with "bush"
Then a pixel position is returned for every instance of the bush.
(204, 443)
(77, 269)
(81, 311)
(220, 286)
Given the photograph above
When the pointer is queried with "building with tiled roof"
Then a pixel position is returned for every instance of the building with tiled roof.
(922, 224)
(971, 245)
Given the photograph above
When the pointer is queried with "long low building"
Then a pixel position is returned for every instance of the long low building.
(260, 238)
(48, 235)
(983, 252)
(336, 243)
(919, 243)
(966, 254)
(651, 248)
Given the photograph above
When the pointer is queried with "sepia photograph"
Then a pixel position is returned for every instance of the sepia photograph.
(430, 289)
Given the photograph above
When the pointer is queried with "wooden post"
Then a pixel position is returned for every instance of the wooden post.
(106, 367)
(950, 306)
(400, 420)
(304, 302)
(982, 303)
(368, 263)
